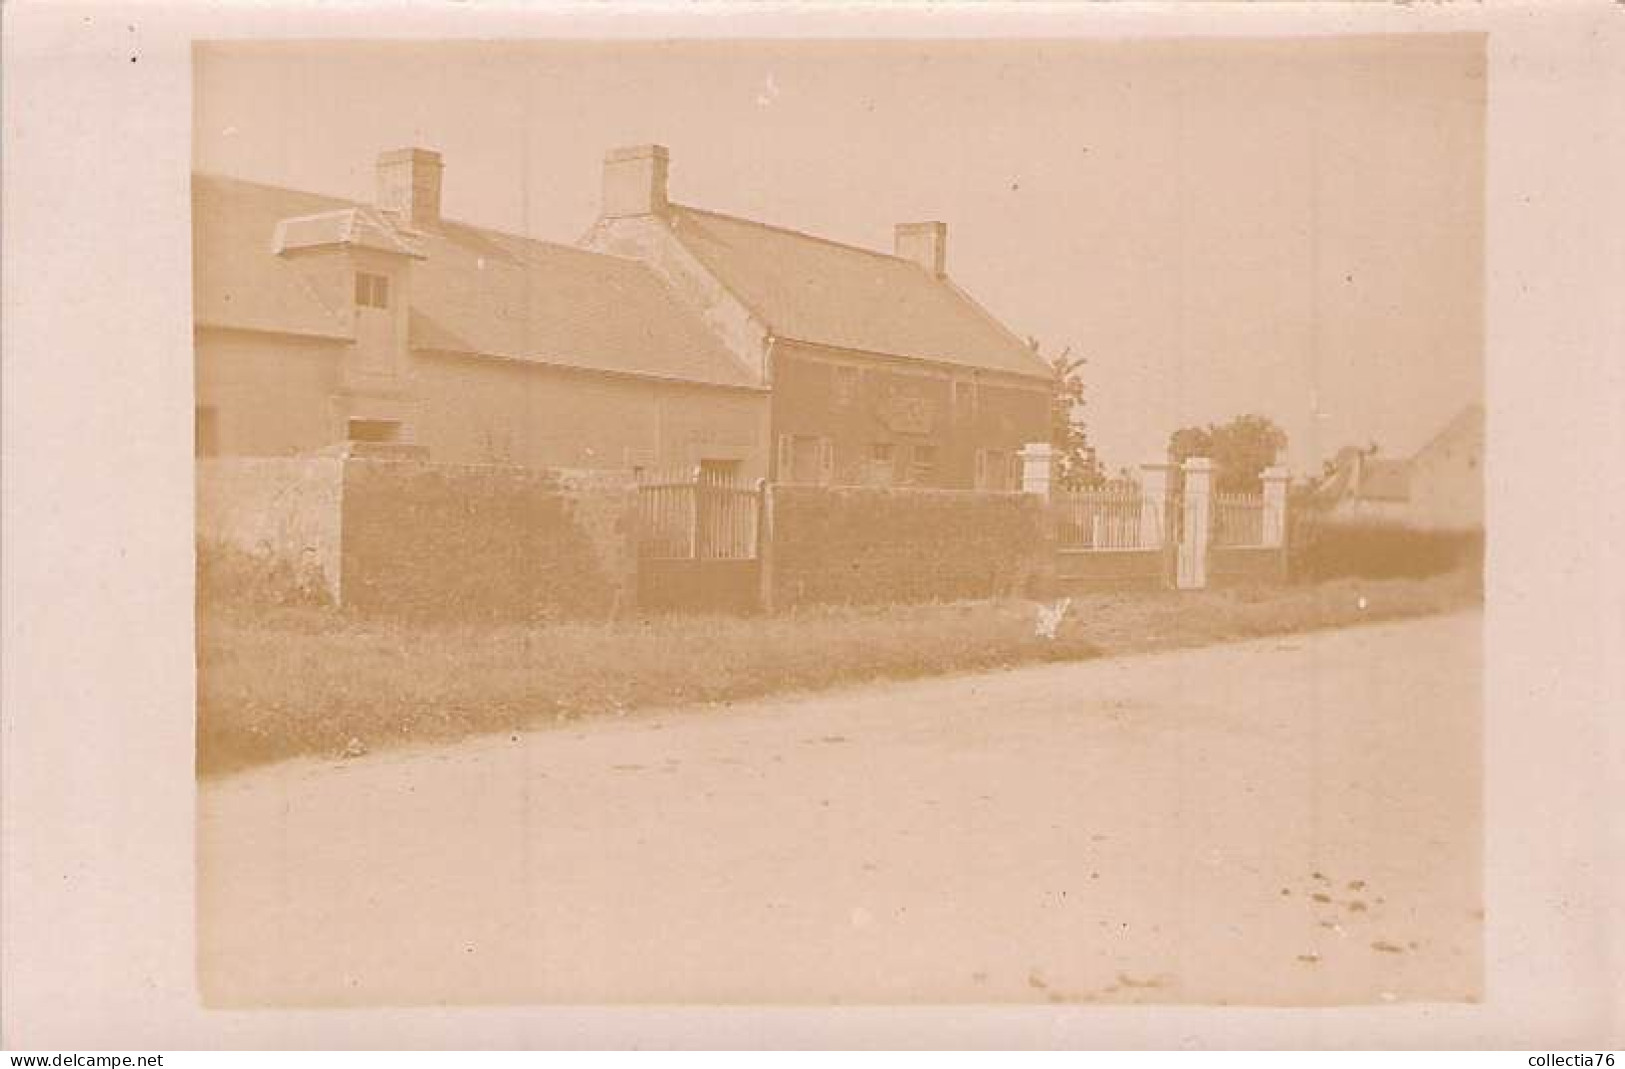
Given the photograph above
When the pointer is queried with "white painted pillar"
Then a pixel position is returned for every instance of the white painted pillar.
(1198, 521)
(1155, 481)
(1275, 482)
(1038, 469)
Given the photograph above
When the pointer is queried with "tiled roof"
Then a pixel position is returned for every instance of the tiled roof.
(826, 293)
(476, 291)
(1465, 428)
(237, 278)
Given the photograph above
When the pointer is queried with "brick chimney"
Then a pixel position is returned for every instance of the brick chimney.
(635, 180)
(409, 183)
(924, 243)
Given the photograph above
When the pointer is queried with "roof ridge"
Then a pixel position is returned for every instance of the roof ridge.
(343, 204)
(1463, 416)
(996, 323)
(797, 233)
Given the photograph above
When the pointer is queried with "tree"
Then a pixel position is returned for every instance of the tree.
(1240, 449)
(1076, 464)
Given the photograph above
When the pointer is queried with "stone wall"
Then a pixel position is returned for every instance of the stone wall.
(1113, 570)
(874, 545)
(1246, 565)
(452, 542)
(283, 515)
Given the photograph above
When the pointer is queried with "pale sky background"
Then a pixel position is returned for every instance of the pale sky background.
(1292, 227)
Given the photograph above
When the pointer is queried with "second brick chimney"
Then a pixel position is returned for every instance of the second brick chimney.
(635, 180)
(409, 183)
(924, 243)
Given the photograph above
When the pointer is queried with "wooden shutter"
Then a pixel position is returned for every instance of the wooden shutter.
(787, 457)
(826, 461)
(981, 469)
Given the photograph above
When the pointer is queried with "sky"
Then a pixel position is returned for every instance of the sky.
(1288, 227)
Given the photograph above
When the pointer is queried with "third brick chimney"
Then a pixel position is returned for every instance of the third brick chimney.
(926, 244)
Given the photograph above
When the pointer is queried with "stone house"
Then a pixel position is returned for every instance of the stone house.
(673, 338)
(320, 322)
(881, 369)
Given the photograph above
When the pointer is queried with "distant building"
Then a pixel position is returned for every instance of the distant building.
(881, 369)
(1440, 487)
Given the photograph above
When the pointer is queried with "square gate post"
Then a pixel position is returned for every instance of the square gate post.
(1192, 573)
(1275, 480)
(764, 546)
(1037, 469)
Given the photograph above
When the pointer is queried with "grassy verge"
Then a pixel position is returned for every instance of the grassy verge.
(281, 681)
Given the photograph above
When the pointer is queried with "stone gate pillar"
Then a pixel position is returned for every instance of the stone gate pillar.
(1192, 574)
(1038, 469)
(1275, 481)
(1156, 479)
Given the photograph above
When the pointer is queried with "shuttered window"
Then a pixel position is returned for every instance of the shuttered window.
(371, 291)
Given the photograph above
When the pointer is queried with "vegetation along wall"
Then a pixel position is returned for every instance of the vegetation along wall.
(874, 545)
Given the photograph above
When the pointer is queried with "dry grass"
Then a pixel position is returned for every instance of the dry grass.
(281, 681)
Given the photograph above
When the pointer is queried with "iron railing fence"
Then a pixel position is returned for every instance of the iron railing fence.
(1099, 519)
(1238, 520)
(698, 516)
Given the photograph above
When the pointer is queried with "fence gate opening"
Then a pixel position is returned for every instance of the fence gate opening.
(1171, 526)
(699, 541)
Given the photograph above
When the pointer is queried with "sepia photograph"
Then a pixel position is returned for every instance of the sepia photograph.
(831, 522)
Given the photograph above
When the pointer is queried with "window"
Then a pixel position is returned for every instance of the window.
(719, 472)
(846, 386)
(375, 430)
(966, 401)
(882, 463)
(924, 468)
(371, 291)
(805, 458)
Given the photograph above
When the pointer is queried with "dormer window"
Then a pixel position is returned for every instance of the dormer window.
(371, 291)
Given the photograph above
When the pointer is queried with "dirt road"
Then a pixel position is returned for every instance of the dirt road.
(1289, 821)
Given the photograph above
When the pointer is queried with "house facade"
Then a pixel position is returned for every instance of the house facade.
(322, 324)
(671, 338)
(880, 369)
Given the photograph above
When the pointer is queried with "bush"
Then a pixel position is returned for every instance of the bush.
(1319, 550)
(229, 574)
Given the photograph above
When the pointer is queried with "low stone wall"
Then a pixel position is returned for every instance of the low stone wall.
(480, 543)
(1245, 565)
(875, 545)
(1112, 570)
(280, 515)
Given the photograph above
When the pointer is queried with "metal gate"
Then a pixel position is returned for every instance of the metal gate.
(699, 542)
